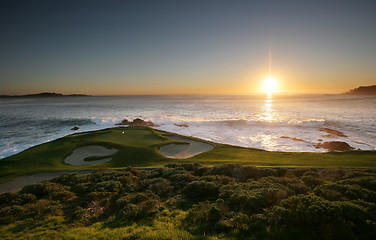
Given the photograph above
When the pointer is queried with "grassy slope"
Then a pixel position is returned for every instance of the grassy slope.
(138, 147)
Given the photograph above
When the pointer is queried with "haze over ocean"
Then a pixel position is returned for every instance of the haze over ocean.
(281, 123)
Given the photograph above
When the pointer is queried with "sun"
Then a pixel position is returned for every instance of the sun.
(270, 84)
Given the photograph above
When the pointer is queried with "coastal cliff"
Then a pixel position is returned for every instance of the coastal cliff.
(363, 90)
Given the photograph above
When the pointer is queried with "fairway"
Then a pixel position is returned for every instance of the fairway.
(139, 147)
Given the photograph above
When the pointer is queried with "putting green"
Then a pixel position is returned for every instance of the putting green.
(139, 147)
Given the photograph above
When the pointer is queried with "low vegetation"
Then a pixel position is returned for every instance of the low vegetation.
(191, 201)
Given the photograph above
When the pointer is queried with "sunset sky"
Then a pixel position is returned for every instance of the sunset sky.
(185, 47)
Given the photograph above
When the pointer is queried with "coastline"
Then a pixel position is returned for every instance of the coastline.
(139, 147)
(275, 124)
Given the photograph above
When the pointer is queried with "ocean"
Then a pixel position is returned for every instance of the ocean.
(277, 123)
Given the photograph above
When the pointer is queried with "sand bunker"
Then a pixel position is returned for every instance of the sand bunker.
(181, 151)
(79, 154)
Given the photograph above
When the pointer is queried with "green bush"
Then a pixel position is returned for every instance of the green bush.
(10, 214)
(368, 182)
(23, 199)
(312, 217)
(241, 173)
(223, 202)
(201, 190)
(208, 217)
(8, 197)
(312, 181)
(41, 190)
(159, 186)
(344, 192)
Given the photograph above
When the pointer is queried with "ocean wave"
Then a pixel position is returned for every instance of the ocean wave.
(46, 123)
(238, 123)
(243, 121)
(20, 134)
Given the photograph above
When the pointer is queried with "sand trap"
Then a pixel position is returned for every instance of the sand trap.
(18, 183)
(79, 154)
(181, 151)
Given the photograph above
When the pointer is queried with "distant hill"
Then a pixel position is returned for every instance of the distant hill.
(44, 94)
(363, 90)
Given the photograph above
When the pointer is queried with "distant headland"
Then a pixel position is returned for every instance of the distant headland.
(363, 90)
(43, 94)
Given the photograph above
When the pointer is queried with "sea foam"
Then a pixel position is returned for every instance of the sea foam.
(278, 124)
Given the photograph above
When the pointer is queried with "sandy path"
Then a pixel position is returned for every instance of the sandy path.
(182, 151)
(79, 154)
(19, 183)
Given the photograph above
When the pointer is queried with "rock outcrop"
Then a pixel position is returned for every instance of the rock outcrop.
(138, 122)
(124, 122)
(332, 132)
(181, 125)
(335, 146)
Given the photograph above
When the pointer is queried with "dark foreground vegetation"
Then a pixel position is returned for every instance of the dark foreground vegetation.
(190, 201)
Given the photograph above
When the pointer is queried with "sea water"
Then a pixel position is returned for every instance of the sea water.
(277, 123)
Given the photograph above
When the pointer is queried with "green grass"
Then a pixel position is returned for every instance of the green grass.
(163, 226)
(138, 147)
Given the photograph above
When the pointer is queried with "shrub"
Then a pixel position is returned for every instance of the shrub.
(201, 190)
(236, 171)
(140, 210)
(81, 188)
(368, 182)
(200, 171)
(41, 190)
(6, 198)
(249, 201)
(24, 198)
(99, 196)
(253, 196)
(71, 179)
(298, 172)
(312, 217)
(159, 186)
(11, 213)
(332, 174)
(108, 186)
(209, 217)
(62, 196)
(135, 198)
(180, 180)
(218, 180)
(293, 184)
(312, 181)
(264, 172)
(351, 192)
(44, 207)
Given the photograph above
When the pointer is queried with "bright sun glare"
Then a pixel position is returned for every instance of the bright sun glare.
(270, 84)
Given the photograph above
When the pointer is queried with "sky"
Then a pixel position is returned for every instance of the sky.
(186, 47)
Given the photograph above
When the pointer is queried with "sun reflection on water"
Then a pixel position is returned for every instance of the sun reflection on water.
(268, 113)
